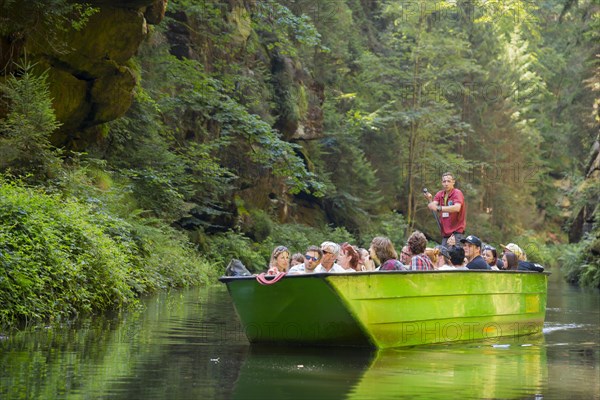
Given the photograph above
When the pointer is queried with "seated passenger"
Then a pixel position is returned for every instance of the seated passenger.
(457, 259)
(472, 246)
(365, 263)
(312, 257)
(280, 260)
(417, 242)
(491, 257)
(330, 251)
(297, 258)
(348, 257)
(438, 255)
(405, 255)
(511, 262)
(516, 250)
(382, 252)
(523, 264)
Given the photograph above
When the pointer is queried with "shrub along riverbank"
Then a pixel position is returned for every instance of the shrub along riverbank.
(61, 257)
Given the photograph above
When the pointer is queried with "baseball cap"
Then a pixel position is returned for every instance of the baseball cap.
(472, 239)
(443, 251)
(330, 247)
(516, 250)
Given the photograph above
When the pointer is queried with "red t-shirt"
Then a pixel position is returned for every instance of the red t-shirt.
(455, 221)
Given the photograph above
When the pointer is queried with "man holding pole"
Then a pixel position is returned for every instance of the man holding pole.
(451, 209)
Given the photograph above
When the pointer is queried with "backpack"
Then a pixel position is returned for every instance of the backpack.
(236, 268)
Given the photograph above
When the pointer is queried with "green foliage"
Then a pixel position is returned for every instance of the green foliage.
(61, 258)
(259, 225)
(285, 30)
(202, 154)
(536, 248)
(171, 261)
(580, 262)
(391, 225)
(222, 247)
(44, 16)
(25, 146)
(164, 174)
(298, 237)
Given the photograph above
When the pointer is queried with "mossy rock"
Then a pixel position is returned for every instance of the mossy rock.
(112, 95)
(241, 23)
(69, 98)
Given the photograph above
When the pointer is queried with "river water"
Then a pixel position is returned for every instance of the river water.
(189, 345)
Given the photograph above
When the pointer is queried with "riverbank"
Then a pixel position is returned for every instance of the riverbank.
(62, 257)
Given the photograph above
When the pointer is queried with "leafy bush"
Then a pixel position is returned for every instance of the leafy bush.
(222, 247)
(171, 260)
(580, 262)
(60, 258)
(535, 248)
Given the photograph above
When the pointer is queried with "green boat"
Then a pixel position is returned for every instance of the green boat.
(390, 309)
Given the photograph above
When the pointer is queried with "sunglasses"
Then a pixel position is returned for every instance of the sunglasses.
(327, 252)
(309, 258)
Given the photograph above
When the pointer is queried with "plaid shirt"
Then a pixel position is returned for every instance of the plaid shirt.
(392, 265)
(421, 263)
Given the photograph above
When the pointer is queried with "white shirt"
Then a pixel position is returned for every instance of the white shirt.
(301, 269)
(336, 268)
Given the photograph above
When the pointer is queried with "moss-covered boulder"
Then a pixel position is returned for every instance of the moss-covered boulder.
(90, 81)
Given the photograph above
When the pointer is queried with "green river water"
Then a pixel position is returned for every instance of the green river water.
(189, 345)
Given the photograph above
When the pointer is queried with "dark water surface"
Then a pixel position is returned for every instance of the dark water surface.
(189, 345)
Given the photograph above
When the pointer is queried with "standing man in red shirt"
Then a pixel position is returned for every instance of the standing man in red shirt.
(451, 208)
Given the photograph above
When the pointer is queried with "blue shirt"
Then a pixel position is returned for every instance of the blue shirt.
(478, 263)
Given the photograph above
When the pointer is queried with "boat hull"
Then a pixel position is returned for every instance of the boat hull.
(390, 309)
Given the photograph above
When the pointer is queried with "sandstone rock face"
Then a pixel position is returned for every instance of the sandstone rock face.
(584, 221)
(90, 80)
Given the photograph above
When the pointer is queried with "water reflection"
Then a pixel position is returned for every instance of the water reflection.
(475, 371)
(189, 345)
(301, 373)
(471, 371)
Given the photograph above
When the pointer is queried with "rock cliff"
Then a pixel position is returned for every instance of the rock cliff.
(90, 74)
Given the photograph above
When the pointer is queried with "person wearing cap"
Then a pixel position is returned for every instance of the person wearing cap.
(450, 205)
(523, 264)
(328, 263)
(472, 246)
(438, 255)
(457, 259)
(516, 250)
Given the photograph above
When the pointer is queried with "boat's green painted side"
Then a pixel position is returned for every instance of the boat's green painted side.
(391, 309)
(421, 308)
(300, 309)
